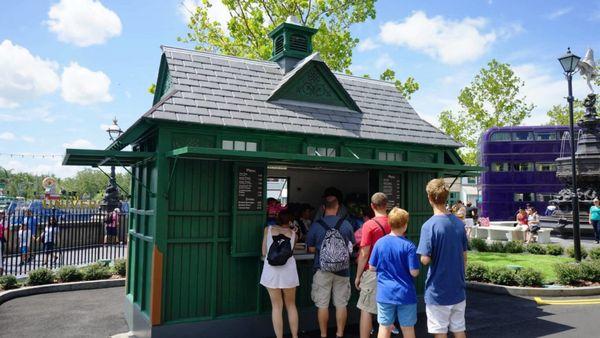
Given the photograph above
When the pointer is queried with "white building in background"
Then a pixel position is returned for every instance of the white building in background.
(465, 189)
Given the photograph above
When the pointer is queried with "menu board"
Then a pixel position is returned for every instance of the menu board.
(390, 185)
(250, 188)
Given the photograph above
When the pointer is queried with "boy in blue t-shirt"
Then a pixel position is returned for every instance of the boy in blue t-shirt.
(443, 246)
(394, 258)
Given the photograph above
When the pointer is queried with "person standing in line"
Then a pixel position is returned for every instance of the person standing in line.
(49, 237)
(595, 219)
(281, 280)
(111, 223)
(24, 236)
(3, 232)
(330, 238)
(394, 258)
(443, 246)
(366, 280)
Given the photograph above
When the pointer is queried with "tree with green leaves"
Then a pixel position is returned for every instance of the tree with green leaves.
(491, 100)
(559, 114)
(246, 34)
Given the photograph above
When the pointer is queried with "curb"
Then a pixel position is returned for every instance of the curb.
(62, 287)
(535, 292)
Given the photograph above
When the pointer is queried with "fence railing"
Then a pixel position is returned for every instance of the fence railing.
(56, 237)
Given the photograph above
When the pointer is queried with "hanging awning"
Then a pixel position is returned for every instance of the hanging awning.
(99, 158)
(449, 170)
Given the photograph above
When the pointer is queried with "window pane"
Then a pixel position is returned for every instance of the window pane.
(545, 166)
(321, 151)
(399, 157)
(310, 150)
(391, 157)
(544, 197)
(499, 166)
(523, 136)
(239, 145)
(382, 156)
(227, 145)
(525, 166)
(500, 136)
(518, 197)
(330, 152)
(250, 146)
(545, 136)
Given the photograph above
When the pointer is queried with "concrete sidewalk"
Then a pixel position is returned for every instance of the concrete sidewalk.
(99, 313)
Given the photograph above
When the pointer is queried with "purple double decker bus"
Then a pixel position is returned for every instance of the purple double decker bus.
(519, 169)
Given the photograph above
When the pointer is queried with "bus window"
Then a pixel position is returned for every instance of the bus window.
(545, 166)
(499, 166)
(545, 136)
(523, 166)
(500, 136)
(544, 197)
(523, 136)
(524, 197)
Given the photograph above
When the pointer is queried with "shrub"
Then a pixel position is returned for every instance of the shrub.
(95, 271)
(571, 252)
(529, 277)
(568, 273)
(496, 247)
(502, 276)
(595, 253)
(536, 249)
(41, 276)
(479, 244)
(476, 272)
(554, 250)
(8, 282)
(514, 247)
(590, 271)
(69, 274)
(120, 267)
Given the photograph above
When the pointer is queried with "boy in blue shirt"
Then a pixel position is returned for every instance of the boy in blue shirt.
(443, 246)
(394, 258)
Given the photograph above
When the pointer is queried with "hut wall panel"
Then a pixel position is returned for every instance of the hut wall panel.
(237, 283)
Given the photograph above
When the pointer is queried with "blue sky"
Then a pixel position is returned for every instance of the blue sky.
(65, 73)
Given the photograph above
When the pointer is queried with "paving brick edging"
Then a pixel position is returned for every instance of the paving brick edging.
(61, 287)
(535, 292)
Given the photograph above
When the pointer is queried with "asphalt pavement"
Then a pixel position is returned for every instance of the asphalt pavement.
(99, 313)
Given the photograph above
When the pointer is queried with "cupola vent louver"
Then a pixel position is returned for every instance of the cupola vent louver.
(298, 43)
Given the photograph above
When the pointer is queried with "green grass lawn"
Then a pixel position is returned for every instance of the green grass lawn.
(542, 263)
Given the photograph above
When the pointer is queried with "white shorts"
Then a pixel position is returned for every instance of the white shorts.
(442, 317)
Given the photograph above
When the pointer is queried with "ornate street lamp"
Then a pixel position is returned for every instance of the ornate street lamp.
(111, 198)
(569, 62)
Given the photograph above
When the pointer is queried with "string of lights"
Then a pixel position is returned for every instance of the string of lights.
(30, 155)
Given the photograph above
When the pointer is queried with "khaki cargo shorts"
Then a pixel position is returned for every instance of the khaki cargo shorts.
(324, 284)
(368, 290)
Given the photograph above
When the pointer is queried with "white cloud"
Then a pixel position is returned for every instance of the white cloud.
(558, 13)
(544, 89)
(384, 61)
(28, 139)
(83, 22)
(452, 41)
(217, 12)
(83, 86)
(24, 76)
(7, 136)
(367, 44)
(38, 114)
(79, 143)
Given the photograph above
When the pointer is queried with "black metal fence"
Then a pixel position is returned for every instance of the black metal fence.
(55, 237)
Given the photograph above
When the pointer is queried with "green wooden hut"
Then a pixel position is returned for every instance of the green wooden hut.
(201, 156)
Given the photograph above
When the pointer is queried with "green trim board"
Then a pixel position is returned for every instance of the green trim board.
(202, 152)
(312, 81)
(95, 158)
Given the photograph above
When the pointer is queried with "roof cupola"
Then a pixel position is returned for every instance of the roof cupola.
(292, 42)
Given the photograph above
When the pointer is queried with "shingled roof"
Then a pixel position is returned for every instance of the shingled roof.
(213, 89)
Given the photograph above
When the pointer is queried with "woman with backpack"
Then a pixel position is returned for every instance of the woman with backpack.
(279, 274)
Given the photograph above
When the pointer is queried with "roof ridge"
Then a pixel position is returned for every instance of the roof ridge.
(365, 79)
(221, 56)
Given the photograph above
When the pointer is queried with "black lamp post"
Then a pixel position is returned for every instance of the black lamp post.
(111, 195)
(569, 62)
